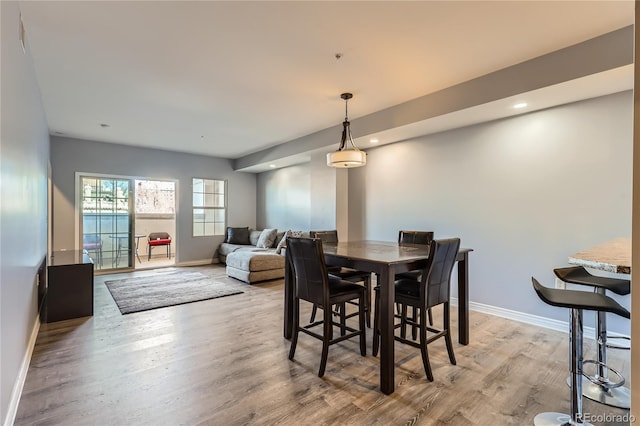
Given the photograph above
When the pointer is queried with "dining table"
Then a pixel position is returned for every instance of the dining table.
(385, 259)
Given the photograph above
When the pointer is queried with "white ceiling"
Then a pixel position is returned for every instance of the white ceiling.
(231, 78)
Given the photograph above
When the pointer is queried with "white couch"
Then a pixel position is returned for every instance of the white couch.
(249, 263)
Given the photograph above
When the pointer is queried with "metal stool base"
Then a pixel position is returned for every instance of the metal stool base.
(614, 397)
(555, 419)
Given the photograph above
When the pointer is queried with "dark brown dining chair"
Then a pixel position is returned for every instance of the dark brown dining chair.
(313, 283)
(347, 274)
(431, 290)
(414, 237)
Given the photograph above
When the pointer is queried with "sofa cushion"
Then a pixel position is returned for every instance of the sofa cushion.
(251, 277)
(266, 238)
(254, 236)
(237, 235)
(226, 248)
(159, 242)
(255, 260)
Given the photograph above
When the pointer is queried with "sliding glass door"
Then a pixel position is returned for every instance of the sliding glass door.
(106, 221)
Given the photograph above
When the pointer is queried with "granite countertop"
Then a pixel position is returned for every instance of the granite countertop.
(611, 256)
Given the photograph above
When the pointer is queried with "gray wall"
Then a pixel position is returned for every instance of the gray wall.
(524, 192)
(69, 156)
(284, 198)
(24, 153)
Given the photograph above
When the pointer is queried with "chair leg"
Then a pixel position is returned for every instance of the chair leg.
(314, 311)
(296, 321)
(327, 335)
(343, 318)
(376, 326)
(575, 382)
(605, 392)
(423, 345)
(367, 299)
(576, 365)
(447, 337)
(414, 327)
(149, 253)
(430, 317)
(363, 328)
(403, 321)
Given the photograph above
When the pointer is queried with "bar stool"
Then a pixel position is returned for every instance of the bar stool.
(599, 388)
(577, 301)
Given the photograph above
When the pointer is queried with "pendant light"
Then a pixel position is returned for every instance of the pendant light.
(346, 157)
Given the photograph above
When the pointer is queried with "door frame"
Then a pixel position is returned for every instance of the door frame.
(132, 214)
(78, 231)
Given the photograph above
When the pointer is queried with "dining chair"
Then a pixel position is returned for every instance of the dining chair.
(432, 289)
(158, 239)
(347, 274)
(313, 283)
(93, 242)
(414, 237)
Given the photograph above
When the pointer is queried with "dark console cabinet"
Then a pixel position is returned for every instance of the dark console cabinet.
(69, 292)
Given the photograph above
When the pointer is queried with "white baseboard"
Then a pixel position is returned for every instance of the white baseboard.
(552, 324)
(195, 263)
(12, 410)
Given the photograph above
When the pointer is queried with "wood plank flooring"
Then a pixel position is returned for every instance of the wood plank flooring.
(224, 362)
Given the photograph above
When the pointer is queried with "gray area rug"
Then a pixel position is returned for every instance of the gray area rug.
(166, 289)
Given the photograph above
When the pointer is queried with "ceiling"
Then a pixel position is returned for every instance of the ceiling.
(229, 79)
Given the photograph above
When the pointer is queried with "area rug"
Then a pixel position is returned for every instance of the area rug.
(166, 289)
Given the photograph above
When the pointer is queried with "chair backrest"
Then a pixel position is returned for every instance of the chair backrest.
(309, 269)
(91, 240)
(436, 281)
(330, 236)
(415, 237)
(159, 235)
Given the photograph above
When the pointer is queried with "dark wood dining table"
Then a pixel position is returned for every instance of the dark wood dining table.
(385, 259)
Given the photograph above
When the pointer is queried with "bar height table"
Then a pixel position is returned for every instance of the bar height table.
(611, 256)
(385, 259)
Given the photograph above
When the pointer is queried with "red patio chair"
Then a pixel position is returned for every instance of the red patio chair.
(158, 239)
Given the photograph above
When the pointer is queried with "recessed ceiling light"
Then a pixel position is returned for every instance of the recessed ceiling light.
(520, 105)
(374, 140)
(273, 166)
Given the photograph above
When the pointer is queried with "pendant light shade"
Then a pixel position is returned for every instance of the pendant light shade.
(348, 154)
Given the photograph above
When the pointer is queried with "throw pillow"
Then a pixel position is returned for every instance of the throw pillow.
(238, 235)
(266, 238)
(254, 236)
(279, 236)
(283, 242)
(290, 233)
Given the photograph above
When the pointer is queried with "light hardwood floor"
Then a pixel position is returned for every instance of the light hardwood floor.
(224, 362)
